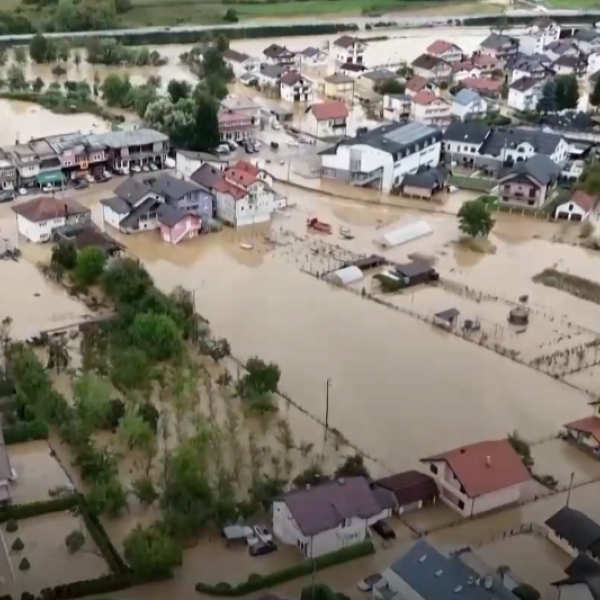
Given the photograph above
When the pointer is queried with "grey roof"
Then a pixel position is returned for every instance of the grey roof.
(466, 97)
(132, 137)
(339, 78)
(347, 40)
(131, 190)
(427, 179)
(524, 84)
(172, 188)
(379, 75)
(473, 133)
(434, 576)
(497, 41)
(206, 176)
(591, 581)
(559, 46)
(529, 63)
(116, 204)
(575, 527)
(543, 169)
(275, 51)
(310, 51)
(144, 208)
(587, 35)
(235, 56)
(582, 565)
(170, 215)
(427, 61)
(274, 71)
(567, 61)
(326, 506)
(510, 138)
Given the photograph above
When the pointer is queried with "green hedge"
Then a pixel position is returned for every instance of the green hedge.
(260, 582)
(35, 509)
(25, 431)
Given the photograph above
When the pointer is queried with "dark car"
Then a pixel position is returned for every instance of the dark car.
(262, 549)
(7, 196)
(382, 529)
(82, 184)
(274, 145)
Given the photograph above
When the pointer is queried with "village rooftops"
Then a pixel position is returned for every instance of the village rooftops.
(482, 84)
(471, 133)
(277, 51)
(339, 78)
(497, 41)
(131, 137)
(235, 56)
(424, 98)
(587, 203)
(131, 190)
(273, 71)
(173, 188)
(540, 167)
(329, 110)
(169, 216)
(441, 46)
(69, 141)
(292, 78)
(326, 506)
(310, 51)
(466, 97)
(46, 208)
(207, 176)
(346, 41)
(484, 467)
(416, 84)
(583, 570)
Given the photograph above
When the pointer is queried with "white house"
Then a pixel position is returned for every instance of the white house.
(561, 48)
(279, 55)
(296, 88)
(465, 69)
(327, 119)
(542, 32)
(349, 49)
(578, 208)
(397, 106)
(240, 62)
(525, 93)
(574, 532)
(270, 75)
(445, 50)
(468, 104)
(587, 40)
(327, 517)
(430, 109)
(380, 158)
(38, 218)
(479, 477)
(311, 57)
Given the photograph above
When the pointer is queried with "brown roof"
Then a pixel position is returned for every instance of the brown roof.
(244, 165)
(426, 61)
(484, 467)
(416, 84)
(439, 47)
(45, 208)
(207, 175)
(291, 77)
(410, 487)
(240, 176)
(235, 56)
(424, 97)
(589, 425)
(226, 187)
(329, 110)
(485, 60)
(346, 40)
(463, 65)
(92, 236)
(584, 201)
(328, 505)
(481, 84)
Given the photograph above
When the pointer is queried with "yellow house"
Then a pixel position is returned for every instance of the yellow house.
(340, 87)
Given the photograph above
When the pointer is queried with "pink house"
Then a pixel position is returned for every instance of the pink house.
(478, 478)
(176, 224)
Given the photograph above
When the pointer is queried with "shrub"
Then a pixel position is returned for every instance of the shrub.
(74, 541)
(18, 545)
(25, 432)
(11, 526)
(27, 596)
(524, 591)
(24, 565)
(25, 511)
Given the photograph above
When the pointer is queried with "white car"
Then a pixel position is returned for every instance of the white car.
(136, 169)
(452, 189)
(90, 178)
(153, 167)
(146, 168)
(22, 192)
(292, 143)
(169, 163)
(107, 175)
(276, 125)
(47, 188)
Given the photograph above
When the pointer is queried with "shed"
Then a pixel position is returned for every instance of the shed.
(416, 271)
(346, 275)
(412, 489)
(404, 234)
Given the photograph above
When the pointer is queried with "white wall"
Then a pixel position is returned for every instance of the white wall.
(38, 232)
(439, 111)
(185, 165)
(111, 217)
(561, 543)
(570, 209)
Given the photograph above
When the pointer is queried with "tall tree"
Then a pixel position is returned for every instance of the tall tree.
(151, 553)
(178, 89)
(595, 95)
(547, 102)
(91, 395)
(475, 219)
(135, 431)
(206, 134)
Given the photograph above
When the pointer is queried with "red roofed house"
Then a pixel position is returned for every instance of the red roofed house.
(586, 432)
(327, 119)
(491, 88)
(429, 109)
(578, 208)
(481, 477)
(416, 84)
(445, 50)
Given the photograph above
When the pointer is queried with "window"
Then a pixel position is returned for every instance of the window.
(461, 504)
(347, 523)
(433, 468)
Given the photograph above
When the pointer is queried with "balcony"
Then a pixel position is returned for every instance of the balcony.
(364, 179)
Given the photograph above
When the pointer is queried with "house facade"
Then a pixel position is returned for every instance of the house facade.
(499, 45)
(586, 432)
(525, 93)
(468, 104)
(431, 68)
(480, 477)
(240, 63)
(185, 195)
(430, 109)
(445, 50)
(339, 87)
(397, 107)
(311, 57)
(340, 515)
(578, 208)
(574, 532)
(176, 224)
(381, 157)
(296, 88)
(8, 173)
(541, 33)
(279, 55)
(236, 126)
(349, 49)
(326, 120)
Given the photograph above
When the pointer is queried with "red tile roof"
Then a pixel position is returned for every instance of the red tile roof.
(484, 467)
(481, 84)
(438, 47)
(416, 84)
(485, 60)
(424, 97)
(463, 65)
(329, 110)
(240, 177)
(589, 425)
(45, 208)
(226, 187)
(584, 201)
(245, 166)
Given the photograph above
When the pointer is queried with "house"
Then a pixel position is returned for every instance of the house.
(132, 208)
(327, 517)
(381, 157)
(339, 87)
(240, 62)
(568, 65)
(176, 224)
(349, 49)
(445, 50)
(480, 477)
(488, 63)
(78, 154)
(412, 490)
(242, 105)
(270, 75)
(311, 57)
(593, 63)
(279, 55)
(560, 48)
(367, 82)
(352, 69)
(586, 432)
(464, 141)
(464, 69)
(587, 40)
(467, 104)
(499, 45)
(542, 32)
(131, 147)
(207, 176)
(430, 109)
(254, 170)
(416, 84)
(529, 183)
(582, 581)
(425, 183)
(579, 207)
(431, 68)
(424, 573)
(397, 107)
(36, 162)
(38, 218)
(490, 88)
(8, 173)
(327, 119)
(574, 532)
(184, 195)
(187, 161)
(535, 67)
(86, 234)
(236, 125)
(296, 88)
(525, 93)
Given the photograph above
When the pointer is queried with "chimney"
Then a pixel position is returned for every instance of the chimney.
(488, 461)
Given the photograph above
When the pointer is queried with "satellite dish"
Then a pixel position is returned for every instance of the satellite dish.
(488, 582)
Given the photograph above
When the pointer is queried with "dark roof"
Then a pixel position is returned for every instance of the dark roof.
(353, 67)
(309, 51)
(587, 35)
(172, 188)
(235, 56)
(529, 63)
(567, 61)
(447, 315)
(46, 208)
(560, 46)
(346, 40)
(473, 133)
(583, 566)
(427, 179)
(144, 208)
(409, 487)
(132, 190)
(117, 205)
(291, 78)
(497, 41)
(385, 498)
(170, 215)
(591, 581)
(339, 78)
(575, 527)
(275, 51)
(541, 168)
(379, 75)
(274, 71)
(524, 84)
(427, 61)
(326, 506)
(413, 268)
(206, 176)
(501, 138)
(90, 235)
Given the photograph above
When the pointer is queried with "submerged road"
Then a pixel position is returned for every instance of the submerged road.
(361, 22)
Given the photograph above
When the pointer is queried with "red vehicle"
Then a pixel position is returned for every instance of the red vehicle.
(319, 226)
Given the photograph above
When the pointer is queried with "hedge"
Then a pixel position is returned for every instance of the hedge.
(260, 582)
(25, 431)
(35, 509)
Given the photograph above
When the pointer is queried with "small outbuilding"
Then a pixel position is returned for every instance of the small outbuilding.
(578, 208)
(425, 184)
(411, 489)
(404, 234)
(416, 272)
(346, 275)
(446, 318)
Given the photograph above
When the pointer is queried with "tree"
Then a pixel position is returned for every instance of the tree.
(475, 218)
(16, 80)
(66, 16)
(158, 334)
(107, 497)
(595, 95)
(91, 396)
(20, 55)
(37, 85)
(38, 48)
(353, 466)
(262, 377)
(58, 354)
(135, 432)
(178, 89)
(215, 86)
(130, 369)
(90, 265)
(566, 92)
(116, 90)
(64, 254)
(126, 281)
(231, 16)
(218, 349)
(143, 489)
(524, 591)
(390, 86)
(151, 553)
(74, 541)
(590, 179)
(207, 123)
(547, 102)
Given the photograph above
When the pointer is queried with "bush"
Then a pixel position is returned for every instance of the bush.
(25, 431)
(9, 514)
(261, 582)
(18, 545)
(24, 565)
(11, 526)
(524, 591)
(74, 541)
(27, 596)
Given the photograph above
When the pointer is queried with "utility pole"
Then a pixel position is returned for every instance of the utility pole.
(570, 488)
(328, 385)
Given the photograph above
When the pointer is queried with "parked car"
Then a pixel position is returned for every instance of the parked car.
(292, 142)
(82, 184)
(274, 146)
(276, 125)
(153, 167)
(136, 169)
(382, 529)
(232, 145)
(250, 149)
(222, 149)
(366, 585)
(7, 196)
(169, 163)
(90, 178)
(262, 549)
(263, 534)
(47, 188)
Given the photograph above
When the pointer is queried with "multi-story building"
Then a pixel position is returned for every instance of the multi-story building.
(36, 162)
(445, 50)
(78, 154)
(279, 55)
(326, 120)
(431, 68)
(542, 32)
(349, 49)
(397, 107)
(235, 126)
(499, 45)
(430, 109)
(340, 87)
(467, 104)
(296, 88)
(525, 93)
(8, 173)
